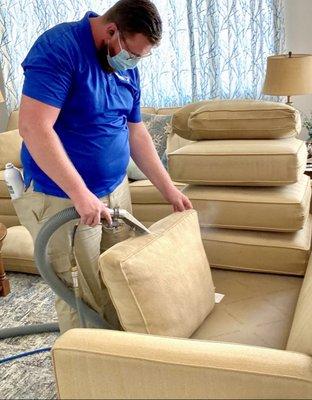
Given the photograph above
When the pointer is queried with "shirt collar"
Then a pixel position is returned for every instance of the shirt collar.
(86, 36)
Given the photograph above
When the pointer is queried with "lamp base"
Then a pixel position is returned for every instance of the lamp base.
(288, 102)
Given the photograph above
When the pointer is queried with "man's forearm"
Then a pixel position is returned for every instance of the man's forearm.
(49, 154)
(144, 154)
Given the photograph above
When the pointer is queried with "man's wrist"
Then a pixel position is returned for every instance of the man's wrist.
(78, 192)
(167, 187)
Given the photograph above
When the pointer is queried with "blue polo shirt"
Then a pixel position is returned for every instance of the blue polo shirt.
(62, 70)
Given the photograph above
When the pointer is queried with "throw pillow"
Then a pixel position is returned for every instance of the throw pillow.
(158, 126)
(161, 283)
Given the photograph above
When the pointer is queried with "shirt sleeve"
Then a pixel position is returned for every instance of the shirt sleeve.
(135, 113)
(48, 73)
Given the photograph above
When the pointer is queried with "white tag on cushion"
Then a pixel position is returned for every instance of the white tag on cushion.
(218, 297)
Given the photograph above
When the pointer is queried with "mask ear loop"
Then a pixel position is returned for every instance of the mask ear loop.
(119, 42)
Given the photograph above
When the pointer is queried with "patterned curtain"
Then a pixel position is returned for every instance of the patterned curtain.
(210, 48)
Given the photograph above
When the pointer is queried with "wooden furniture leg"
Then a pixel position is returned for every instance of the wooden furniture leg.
(4, 281)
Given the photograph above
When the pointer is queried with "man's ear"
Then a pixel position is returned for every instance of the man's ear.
(111, 28)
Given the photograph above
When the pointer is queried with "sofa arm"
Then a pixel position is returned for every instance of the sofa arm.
(92, 363)
(10, 147)
(13, 120)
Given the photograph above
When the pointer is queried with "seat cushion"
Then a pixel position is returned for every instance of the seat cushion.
(144, 192)
(236, 119)
(257, 309)
(148, 205)
(239, 162)
(150, 213)
(160, 283)
(18, 251)
(281, 209)
(6, 207)
(283, 253)
(9, 220)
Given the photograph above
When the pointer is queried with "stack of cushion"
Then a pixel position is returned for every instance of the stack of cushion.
(245, 174)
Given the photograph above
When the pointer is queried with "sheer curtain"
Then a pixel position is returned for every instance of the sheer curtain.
(210, 48)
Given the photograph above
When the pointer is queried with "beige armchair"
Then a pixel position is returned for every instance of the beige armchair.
(252, 345)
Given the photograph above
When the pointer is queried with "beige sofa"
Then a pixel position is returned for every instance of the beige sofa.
(281, 212)
(148, 204)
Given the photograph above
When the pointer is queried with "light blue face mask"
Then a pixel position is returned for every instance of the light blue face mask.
(123, 60)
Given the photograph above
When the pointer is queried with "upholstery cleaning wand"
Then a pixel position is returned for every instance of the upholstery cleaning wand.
(46, 268)
(117, 214)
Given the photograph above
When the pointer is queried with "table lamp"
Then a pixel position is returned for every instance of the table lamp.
(288, 75)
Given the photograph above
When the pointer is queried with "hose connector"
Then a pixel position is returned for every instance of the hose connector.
(74, 274)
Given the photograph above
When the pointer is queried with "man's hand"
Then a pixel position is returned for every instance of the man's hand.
(91, 209)
(178, 200)
(145, 156)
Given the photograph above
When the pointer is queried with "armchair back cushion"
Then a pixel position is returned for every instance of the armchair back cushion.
(161, 283)
(300, 335)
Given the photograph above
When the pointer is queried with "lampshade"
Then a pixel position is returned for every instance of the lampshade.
(288, 75)
(1, 97)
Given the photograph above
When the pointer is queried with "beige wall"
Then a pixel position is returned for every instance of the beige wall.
(299, 40)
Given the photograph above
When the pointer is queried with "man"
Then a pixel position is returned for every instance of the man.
(80, 119)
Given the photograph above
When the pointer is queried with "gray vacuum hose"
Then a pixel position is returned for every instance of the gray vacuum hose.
(47, 272)
(28, 330)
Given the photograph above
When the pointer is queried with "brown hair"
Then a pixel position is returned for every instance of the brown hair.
(136, 16)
